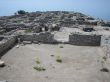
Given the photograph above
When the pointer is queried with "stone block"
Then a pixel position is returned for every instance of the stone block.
(2, 63)
(85, 40)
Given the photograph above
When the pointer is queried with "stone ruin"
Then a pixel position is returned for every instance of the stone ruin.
(44, 37)
(85, 39)
(44, 25)
(6, 43)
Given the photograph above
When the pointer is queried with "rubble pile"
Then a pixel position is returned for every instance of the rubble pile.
(50, 21)
(53, 27)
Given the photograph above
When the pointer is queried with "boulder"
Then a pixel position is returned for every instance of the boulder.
(2, 63)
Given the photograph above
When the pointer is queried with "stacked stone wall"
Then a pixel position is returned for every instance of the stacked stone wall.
(40, 37)
(7, 43)
(85, 40)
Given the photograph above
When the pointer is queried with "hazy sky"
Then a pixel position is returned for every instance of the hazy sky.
(96, 8)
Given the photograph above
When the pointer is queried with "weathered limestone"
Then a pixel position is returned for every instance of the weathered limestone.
(85, 39)
(7, 43)
(27, 37)
(44, 37)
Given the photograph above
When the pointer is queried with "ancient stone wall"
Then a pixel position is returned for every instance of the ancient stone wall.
(26, 37)
(7, 43)
(44, 37)
(84, 40)
(105, 44)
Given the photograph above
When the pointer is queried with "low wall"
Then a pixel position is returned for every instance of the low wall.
(40, 37)
(105, 44)
(7, 43)
(85, 40)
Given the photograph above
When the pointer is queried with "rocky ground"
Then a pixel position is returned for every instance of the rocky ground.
(50, 20)
(79, 64)
(74, 63)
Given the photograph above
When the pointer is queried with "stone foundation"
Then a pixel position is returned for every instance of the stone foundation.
(84, 40)
(45, 37)
(7, 43)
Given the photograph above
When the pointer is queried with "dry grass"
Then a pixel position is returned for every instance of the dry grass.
(58, 59)
(39, 68)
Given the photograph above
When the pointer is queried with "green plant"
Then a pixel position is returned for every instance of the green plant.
(61, 46)
(105, 58)
(58, 59)
(28, 30)
(39, 68)
(21, 12)
(37, 61)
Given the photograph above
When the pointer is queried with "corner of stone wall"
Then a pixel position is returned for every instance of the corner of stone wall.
(84, 39)
(105, 44)
(7, 43)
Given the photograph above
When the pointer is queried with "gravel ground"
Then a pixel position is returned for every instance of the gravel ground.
(79, 64)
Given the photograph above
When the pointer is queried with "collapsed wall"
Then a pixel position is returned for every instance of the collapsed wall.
(44, 37)
(84, 39)
(7, 43)
(105, 44)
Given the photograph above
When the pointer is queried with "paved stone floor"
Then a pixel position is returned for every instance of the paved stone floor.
(80, 64)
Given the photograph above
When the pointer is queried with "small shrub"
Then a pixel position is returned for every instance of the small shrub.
(21, 12)
(58, 59)
(39, 68)
(105, 58)
(104, 70)
(37, 61)
(61, 46)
